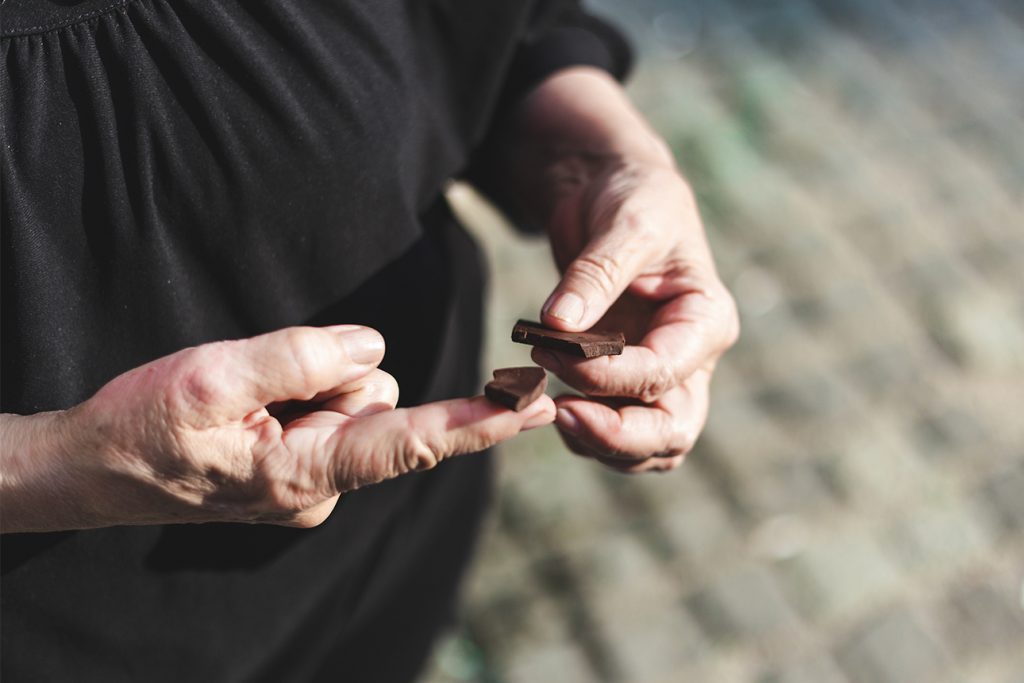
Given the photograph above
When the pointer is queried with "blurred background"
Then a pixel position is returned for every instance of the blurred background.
(854, 511)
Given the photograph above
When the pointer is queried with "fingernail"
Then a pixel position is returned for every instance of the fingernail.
(539, 420)
(547, 360)
(363, 345)
(565, 306)
(567, 421)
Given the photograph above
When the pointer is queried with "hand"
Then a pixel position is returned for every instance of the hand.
(193, 437)
(625, 232)
(635, 259)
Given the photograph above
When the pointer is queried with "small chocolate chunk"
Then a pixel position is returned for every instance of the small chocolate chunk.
(516, 388)
(586, 344)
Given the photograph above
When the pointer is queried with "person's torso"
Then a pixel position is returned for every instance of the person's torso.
(179, 171)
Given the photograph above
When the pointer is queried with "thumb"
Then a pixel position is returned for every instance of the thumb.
(594, 280)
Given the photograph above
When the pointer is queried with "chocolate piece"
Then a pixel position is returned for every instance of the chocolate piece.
(516, 388)
(586, 344)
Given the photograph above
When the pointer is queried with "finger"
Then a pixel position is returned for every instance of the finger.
(623, 466)
(373, 393)
(687, 333)
(574, 445)
(314, 516)
(297, 363)
(637, 373)
(636, 432)
(642, 466)
(386, 445)
(596, 278)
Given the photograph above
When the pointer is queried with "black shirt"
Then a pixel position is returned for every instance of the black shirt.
(178, 172)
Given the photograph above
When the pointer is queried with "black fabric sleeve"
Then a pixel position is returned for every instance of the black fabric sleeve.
(560, 34)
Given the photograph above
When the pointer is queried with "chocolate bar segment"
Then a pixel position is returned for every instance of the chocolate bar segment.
(585, 344)
(516, 388)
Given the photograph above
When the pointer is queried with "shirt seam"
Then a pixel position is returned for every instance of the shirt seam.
(21, 32)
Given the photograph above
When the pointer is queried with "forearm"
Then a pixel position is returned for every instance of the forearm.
(43, 485)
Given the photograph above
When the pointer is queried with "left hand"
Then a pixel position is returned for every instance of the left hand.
(627, 236)
(634, 258)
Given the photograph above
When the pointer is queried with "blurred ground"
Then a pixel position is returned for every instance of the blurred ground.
(855, 509)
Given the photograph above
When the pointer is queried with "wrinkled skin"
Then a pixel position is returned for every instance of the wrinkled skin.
(275, 428)
(626, 235)
(268, 429)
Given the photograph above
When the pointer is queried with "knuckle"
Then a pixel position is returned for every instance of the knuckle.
(642, 229)
(609, 442)
(197, 389)
(678, 267)
(416, 455)
(655, 384)
(590, 378)
(279, 498)
(200, 383)
(304, 347)
(276, 484)
(665, 465)
(606, 445)
(484, 437)
(600, 271)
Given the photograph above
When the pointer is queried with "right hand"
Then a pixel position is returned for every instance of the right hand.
(189, 437)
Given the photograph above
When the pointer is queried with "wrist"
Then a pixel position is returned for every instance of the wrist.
(49, 473)
(584, 111)
(576, 127)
